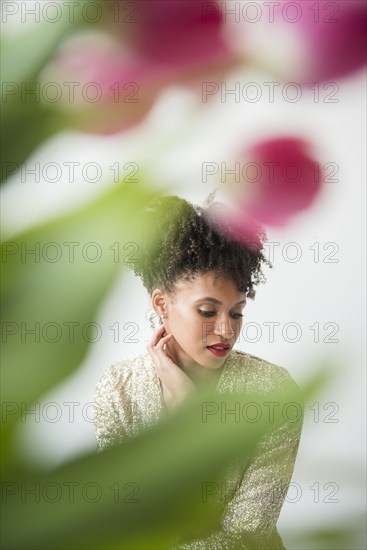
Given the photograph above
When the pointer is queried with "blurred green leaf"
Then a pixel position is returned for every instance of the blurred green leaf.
(25, 54)
(347, 532)
(56, 290)
(24, 127)
(165, 466)
(25, 122)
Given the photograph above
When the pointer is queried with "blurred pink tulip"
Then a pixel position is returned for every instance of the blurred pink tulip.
(289, 179)
(236, 223)
(178, 33)
(104, 89)
(332, 36)
(119, 75)
(283, 179)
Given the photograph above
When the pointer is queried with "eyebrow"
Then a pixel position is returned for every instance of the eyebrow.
(215, 301)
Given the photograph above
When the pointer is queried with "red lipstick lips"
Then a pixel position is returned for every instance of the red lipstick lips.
(220, 350)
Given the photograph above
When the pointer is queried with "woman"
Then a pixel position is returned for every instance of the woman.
(199, 280)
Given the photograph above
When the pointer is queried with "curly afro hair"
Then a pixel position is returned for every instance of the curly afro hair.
(184, 243)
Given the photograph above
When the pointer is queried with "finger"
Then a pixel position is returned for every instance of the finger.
(158, 351)
(156, 337)
(158, 333)
(166, 340)
(154, 346)
(163, 341)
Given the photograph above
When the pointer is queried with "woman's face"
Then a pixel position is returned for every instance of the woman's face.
(201, 315)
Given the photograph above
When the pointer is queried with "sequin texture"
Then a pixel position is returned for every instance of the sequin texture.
(128, 399)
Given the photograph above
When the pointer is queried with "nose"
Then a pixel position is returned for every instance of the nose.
(224, 328)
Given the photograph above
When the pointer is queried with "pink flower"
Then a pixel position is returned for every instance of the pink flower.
(282, 180)
(119, 75)
(236, 223)
(289, 179)
(306, 41)
(104, 89)
(332, 37)
(178, 33)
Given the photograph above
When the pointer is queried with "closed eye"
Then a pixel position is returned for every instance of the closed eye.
(212, 313)
(206, 313)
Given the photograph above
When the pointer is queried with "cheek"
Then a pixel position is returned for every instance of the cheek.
(180, 324)
(238, 328)
(187, 328)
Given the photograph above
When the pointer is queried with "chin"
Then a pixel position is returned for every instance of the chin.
(213, 362)
(205, 359)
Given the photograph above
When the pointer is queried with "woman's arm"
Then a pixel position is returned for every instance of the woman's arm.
(221, 540)
(111, 408)
(127, 400)
(249, 518)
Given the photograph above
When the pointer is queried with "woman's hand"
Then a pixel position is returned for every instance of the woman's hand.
(176, 385)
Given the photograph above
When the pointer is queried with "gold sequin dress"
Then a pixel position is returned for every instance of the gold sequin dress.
(128, 398)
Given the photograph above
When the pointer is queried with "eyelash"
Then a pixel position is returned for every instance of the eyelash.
(211, 313)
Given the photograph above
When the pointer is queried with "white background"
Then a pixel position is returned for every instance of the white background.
(179, 135)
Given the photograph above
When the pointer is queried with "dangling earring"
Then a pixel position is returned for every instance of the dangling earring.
(152, 316)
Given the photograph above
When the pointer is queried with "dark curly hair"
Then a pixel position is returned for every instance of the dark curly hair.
(184, 242)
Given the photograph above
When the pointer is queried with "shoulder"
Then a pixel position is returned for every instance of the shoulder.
(257, 373)
(129, 391)
(268, 380)
(126, 372)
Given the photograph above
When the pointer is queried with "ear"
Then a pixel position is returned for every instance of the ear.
(159, 302)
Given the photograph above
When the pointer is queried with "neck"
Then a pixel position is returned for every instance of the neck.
(201, 376)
